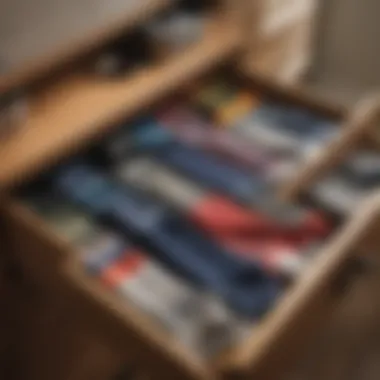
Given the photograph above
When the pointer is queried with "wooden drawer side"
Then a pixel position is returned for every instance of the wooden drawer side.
(273, 347)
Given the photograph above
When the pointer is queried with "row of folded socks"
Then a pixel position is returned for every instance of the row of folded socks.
(240, 155)
(187, 165)
(280, 129)
(276, 137)
(189, 225)
(234, 287)
(137, 267)
(206, 294)
(204, 173)
(199, 319)
(223, 160)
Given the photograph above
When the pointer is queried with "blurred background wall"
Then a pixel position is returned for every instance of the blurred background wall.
(347, 53)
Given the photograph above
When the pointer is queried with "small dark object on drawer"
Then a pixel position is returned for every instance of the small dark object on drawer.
(125, 54)
(13, 111)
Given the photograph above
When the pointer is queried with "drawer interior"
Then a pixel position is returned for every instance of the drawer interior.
(306, 294)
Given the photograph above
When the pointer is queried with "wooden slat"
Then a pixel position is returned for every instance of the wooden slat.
(274, 345)
(50, 33)
(78, 108)
(359, 125)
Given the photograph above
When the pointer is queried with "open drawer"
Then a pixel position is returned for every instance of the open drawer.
(268, 349)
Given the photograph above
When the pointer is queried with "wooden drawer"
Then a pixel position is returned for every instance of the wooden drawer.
(75, 328)
(268, 351)
(270, 348)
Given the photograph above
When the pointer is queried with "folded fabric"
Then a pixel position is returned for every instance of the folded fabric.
(176, 243)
